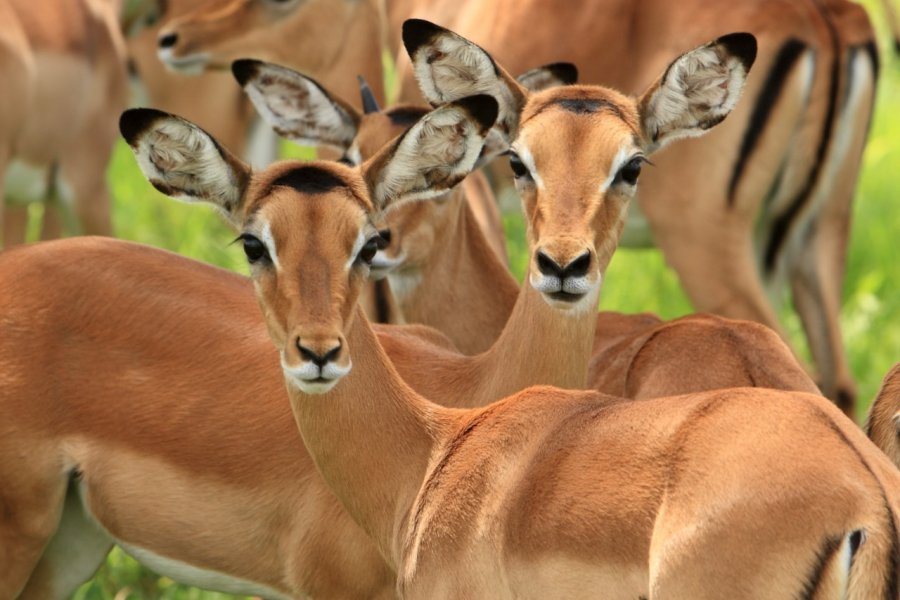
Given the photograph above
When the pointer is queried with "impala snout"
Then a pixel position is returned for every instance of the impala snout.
(314, 364)
(564, 276)
(173, 53)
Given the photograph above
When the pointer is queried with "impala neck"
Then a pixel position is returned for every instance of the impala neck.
(371, 438)
(539, 345)
(477, 292)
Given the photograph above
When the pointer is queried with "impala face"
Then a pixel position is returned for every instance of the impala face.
(307, 227)
(577, 151)
(575, 201)
(220, 31)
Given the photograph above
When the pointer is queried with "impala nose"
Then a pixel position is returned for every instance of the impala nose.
(577, 267)
(319, 358)
(168, 40)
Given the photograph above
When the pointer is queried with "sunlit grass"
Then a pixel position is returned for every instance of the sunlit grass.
(637, 280)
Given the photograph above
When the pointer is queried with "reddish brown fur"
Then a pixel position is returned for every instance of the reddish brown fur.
(58, 50)
(883, 425)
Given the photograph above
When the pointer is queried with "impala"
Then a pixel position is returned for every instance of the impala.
(64, 79)
(548, 492)
(883, 426)
(447, 277)
(769, 193)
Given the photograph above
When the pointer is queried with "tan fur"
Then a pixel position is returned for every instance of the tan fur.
(883, 426)
(211, 99)
(64, 74)
(568, 491)
(717, 265)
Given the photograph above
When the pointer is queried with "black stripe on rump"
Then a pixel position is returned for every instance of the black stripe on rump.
(787, 57)
(782, 224)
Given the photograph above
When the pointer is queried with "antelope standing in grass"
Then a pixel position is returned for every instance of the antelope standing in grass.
(768, 194)
(64, 80)
(548, 492)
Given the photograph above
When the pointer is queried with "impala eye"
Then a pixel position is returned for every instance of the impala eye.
(254, 249)
(518, 167)
(631, 171)
(369, 249)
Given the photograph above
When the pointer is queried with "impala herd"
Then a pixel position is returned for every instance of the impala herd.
(461, 435)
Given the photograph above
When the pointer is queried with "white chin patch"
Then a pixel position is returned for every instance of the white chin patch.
(312, 388)
(193, 64)
(548, 286)
(310, 379)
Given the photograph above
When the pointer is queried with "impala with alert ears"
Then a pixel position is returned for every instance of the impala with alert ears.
(447, 278)
(549, 491)
(769, 193)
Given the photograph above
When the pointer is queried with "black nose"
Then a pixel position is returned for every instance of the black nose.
(576, 268)
(385, 235)
(320, 360)
(168, 40)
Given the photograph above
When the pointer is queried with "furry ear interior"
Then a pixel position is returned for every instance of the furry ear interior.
(549, 76)
(183, 161)
(296, 106)
(698, 90)
(433, 155)
(449, 67)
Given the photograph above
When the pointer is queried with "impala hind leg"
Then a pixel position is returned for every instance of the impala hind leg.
(817, 259)
(30, 510)
(75, 552)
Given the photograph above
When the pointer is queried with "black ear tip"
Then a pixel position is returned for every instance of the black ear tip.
(566, 72)
(244, 69)
(135, 121)
(741, 45)
(483, 108)
(418, 32)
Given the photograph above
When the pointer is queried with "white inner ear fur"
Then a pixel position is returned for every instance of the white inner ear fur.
(458, 68)
(268, 239)
(538, 80)
(435, 154)
(700, 88)
(299, 110)
(184, 159)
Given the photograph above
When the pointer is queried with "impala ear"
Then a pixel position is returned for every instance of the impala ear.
(698, 90)
(549, 76)
(433, 155)
(296, 106)
(449, 67)
(183, 161)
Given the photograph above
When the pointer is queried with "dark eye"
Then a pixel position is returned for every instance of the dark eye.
(369, 249)
(630, 172)
(254, 249)
(518, 167)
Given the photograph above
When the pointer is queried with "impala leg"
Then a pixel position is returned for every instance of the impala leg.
(15, 224)
(817, 262)
(83, 174)
(76, 551)
(30, 509)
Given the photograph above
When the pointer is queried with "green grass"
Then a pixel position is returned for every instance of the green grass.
(637, 280)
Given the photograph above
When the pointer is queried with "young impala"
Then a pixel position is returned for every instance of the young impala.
(62, 64)
(743, 493)
(769, 192)
(447, 278)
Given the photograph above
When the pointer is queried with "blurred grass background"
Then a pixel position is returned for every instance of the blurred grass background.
(637, 280)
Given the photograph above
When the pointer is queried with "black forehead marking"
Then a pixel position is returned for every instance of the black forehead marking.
(406, 116)
(309, 180)
(583, 106)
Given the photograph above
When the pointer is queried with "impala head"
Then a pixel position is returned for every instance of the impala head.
(307, 227)
(220, 31)
(300, 109)
(577, 151)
